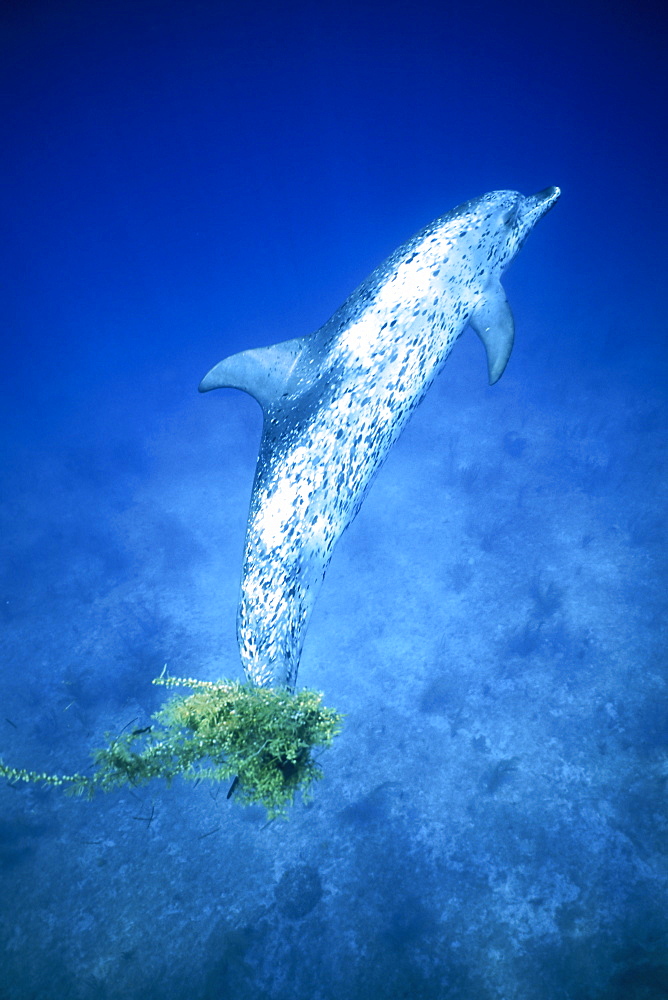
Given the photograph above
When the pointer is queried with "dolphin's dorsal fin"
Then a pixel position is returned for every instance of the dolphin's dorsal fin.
(263, 372)
(493, 321)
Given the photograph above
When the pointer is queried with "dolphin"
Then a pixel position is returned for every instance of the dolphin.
(335, 401)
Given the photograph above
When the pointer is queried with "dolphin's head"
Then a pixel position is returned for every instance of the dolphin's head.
(496, 225)
(523, 216)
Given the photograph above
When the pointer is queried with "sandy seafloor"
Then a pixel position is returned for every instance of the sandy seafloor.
(492, 821)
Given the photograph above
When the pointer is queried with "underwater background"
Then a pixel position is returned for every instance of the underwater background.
(180, 181)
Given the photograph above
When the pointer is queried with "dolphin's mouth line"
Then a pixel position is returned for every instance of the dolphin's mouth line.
(538, 205)
(548, 194)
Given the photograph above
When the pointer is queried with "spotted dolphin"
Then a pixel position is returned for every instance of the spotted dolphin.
(335, 401)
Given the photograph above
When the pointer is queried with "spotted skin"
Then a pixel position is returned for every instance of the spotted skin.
(334, 403)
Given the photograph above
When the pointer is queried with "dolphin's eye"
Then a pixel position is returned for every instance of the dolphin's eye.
(509, 216)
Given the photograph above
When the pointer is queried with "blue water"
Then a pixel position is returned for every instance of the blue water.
(184, 180)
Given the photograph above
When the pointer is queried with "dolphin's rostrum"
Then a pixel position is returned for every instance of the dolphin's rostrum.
(335, 401)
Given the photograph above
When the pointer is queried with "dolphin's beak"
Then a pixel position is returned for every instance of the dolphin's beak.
(536, 205)
(548, 197)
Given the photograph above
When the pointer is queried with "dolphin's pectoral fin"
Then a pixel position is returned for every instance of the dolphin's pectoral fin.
(263, 372)
(493, 322)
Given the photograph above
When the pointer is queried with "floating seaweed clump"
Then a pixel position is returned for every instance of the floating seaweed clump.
(261, 737)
